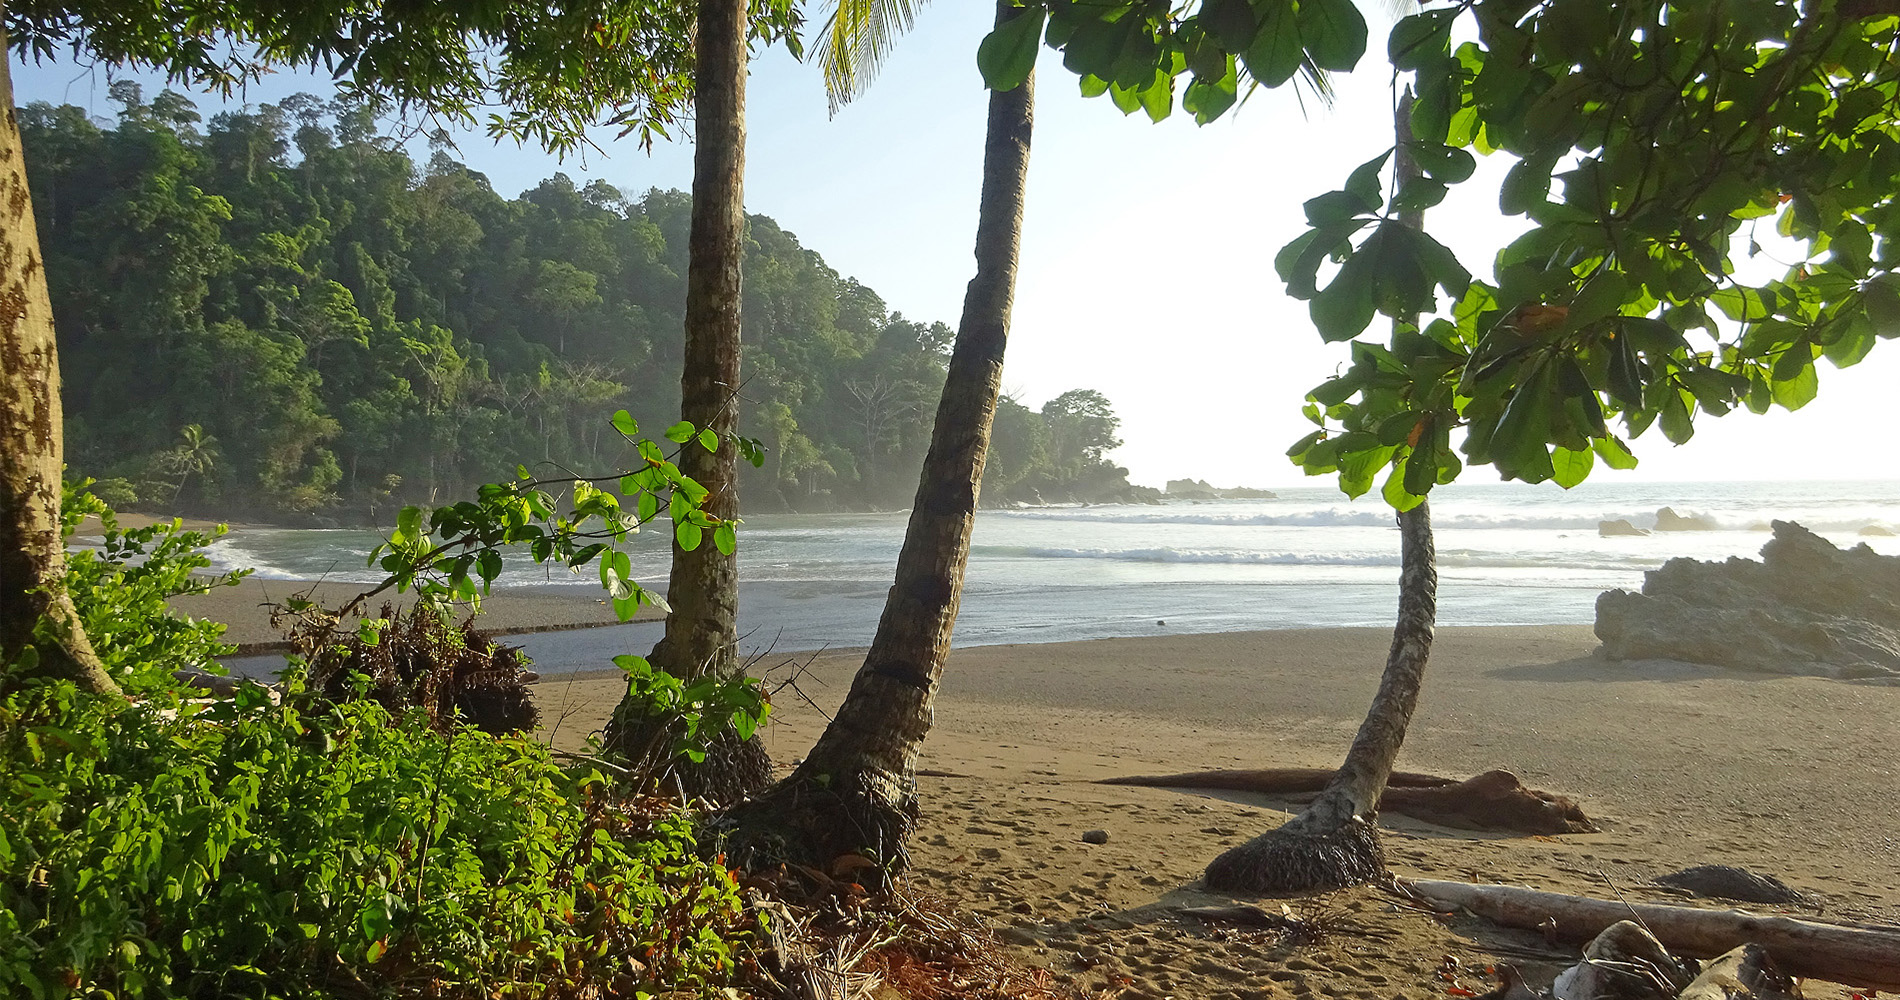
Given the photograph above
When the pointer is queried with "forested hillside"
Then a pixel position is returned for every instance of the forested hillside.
(278, 313)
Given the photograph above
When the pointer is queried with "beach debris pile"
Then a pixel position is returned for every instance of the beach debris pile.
(1648, 951)
(1807, 608)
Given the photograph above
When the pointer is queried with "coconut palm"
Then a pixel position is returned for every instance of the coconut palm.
(855, 793)
(1334, 842)
(196, 454)
(702, 627)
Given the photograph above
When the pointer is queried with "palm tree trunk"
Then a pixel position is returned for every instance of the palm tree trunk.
(34, 607)
(1334, 842)
(856, 791)
(702, 631)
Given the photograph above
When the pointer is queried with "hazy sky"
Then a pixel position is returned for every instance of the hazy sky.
(1147, 249)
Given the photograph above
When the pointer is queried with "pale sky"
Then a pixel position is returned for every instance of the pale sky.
(1147, 249)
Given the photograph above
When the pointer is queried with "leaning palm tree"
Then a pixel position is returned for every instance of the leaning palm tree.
(856, 792)
(196, 454)
(1334, 842)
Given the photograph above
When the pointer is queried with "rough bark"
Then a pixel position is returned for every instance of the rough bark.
(702, 631)
(1858, 956)
(856, 791)
(34, 607)
(1332, 843)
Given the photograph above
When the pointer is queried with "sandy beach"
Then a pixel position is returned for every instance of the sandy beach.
(1680, 765)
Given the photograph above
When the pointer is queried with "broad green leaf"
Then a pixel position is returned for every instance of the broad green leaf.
(1797, 392)
(688, 534)
(1571, 467)
(625, 424)
(1614, 452)
(1333, 33)
(709, 439)
(725, 538)
(681, 432)
(1416, 39)
(1344, 308)
(408, 527)
(1363, 183)
(1275, 54)
(1007, 54)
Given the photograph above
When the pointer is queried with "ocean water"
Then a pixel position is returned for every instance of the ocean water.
(1508, 554)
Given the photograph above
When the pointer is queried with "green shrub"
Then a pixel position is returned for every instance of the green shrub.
(258, 849)
(121, 588)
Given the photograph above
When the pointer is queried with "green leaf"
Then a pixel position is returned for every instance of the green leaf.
(1416, 39)
(1571, 467)
(1363, 182)
(688, 534)
(408, 526)
(709, 439)
(647, 506)
(1275, 54)
(1881, 297)
(681, 432)
(1007, 55)
(488, 565)
(725, 538)
(1614, 452)
(1333, 33)
(1794, 393)
(1526, 186)
(1446, 164)
(625, 424)
(1344, 308)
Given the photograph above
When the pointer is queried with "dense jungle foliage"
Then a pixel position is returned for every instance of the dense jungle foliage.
(279, 313)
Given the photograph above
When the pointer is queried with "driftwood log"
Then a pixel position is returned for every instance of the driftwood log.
(1848, 954)
(1494, 800)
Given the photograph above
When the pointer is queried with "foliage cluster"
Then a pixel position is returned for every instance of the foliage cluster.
(348, 330)
(269, 847)
(121, 589)
(1656, 148)
(282, 850)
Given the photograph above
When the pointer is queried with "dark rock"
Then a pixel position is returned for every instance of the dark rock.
(1877, 531)
(1620, 526)
(1198, 489)
(1730, 882)
(1095, 837)
(1669, 520)
(1807, 608)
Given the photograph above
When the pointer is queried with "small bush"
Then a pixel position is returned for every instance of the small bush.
(121, 588)
(282, 850)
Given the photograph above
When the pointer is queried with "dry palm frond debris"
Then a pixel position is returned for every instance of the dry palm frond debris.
(830, 940)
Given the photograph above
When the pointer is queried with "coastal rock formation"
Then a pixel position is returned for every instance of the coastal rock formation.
(1198, 489)
(1668, 520)
(1807, 608)
(1620, 526)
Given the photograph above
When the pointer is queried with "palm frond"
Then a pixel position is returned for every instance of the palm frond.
(855, 39)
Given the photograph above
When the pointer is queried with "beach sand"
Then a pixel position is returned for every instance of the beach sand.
(1680, 765)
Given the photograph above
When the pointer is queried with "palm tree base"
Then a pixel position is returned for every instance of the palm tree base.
(733, 768)
(824, 826)
(1290, 861)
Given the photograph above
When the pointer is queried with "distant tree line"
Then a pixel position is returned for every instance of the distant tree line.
(278, 312)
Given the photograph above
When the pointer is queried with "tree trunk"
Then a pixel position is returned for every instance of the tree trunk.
(1333, 843)
(34, 607)
(856, 791)
(702, 631)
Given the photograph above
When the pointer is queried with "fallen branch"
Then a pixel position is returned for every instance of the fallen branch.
(1854, 956)
(1494, 800)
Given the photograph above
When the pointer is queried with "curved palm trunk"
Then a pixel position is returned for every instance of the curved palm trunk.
(702, 631)
(856, 791)
(34, 607)
(1334, 842)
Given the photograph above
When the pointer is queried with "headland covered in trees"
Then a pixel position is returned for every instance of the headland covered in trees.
(277, 314)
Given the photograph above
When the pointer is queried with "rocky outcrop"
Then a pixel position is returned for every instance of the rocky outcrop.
(1668, 520)
(1198, 489)
(1806, 608)
(1620, 526)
